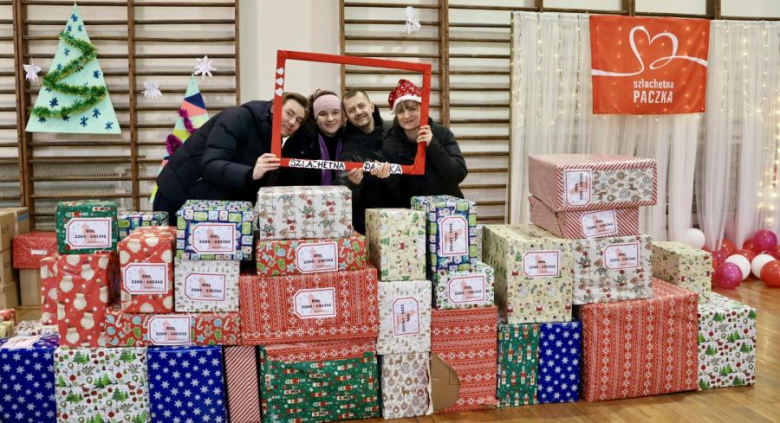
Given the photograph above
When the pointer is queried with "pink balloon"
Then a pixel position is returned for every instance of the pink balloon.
(719, 257)
(764, 240)
(728, 276)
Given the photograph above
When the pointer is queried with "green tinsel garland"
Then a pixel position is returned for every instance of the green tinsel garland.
(90, 96)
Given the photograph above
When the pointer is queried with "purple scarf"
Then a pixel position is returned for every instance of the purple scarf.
(327, 175)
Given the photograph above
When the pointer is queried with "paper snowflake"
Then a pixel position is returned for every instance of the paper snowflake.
(204, 67)
(152, 90)
(31, 72)
(412, 23)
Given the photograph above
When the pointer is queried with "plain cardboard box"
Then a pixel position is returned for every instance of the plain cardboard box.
(13, 221)
(30, 286)
(9, 296)
(7, 272)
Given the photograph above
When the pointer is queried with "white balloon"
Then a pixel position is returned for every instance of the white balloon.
(742, 262)
(695, 238)
(759, 262)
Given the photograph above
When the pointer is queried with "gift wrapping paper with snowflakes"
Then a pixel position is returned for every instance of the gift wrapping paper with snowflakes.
(727, 343)
(302, 212)
(683, 265)
(28, 363)
(128, 221)
(299, 256)
(404, 317)
(592, 181)
(215, 230)
(207, 286)
(101, 385)
(465, 288)
(88, 284)
(451, 230)
(186, 385)
(465, 339)
(612, 269)
(639, 348)
(396, 243)
(406, 385)
(518, 362)
(49, 288)
(585, 224)
(85, 227)
(319, 382)
(143, 330)
(560, 345)
(321, 306)
(533, 279)
(30, 248)
(146, 270)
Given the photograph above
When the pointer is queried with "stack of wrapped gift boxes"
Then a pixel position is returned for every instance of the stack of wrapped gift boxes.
(396, 245)
(538, 344)
(312, 307)
(463, 326)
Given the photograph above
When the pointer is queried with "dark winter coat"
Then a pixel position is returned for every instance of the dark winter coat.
(362, 147)
(217, 160)
(445, 167)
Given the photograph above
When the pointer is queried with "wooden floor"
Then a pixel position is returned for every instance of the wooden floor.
(756, 404)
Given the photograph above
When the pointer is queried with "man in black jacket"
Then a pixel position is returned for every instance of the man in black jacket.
(363, 139)
(228, 157)
(445, 167)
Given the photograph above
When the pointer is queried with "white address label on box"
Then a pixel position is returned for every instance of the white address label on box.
(169, 330)
(88, 233)
(467, 289)
(577, 184)
(599, 223)
(622, 256)
(317, 257)
(542, 264)
(315, 303)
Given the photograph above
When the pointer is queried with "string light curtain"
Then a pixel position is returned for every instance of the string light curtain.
(552, 114)
(736, 177)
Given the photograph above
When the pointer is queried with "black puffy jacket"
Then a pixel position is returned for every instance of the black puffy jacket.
(445, 167)
(217, 160)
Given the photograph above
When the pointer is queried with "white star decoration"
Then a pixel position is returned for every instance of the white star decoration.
(204, 67)
(31, 72)
(412, 23)
(152, 90)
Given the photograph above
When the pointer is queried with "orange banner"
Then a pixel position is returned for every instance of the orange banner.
(648, 66)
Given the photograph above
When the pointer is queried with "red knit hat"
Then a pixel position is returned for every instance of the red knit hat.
(405, 90)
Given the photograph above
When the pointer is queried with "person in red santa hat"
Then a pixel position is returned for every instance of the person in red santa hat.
(445, 167)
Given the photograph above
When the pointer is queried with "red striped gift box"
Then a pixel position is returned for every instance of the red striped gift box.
(585, 224)
(640, 348)
(242, 384)
(466, 340)
(592, 181)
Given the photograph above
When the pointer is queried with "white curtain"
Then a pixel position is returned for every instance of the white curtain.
(552, 113)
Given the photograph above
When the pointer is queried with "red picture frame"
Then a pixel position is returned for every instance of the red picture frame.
(418, 168)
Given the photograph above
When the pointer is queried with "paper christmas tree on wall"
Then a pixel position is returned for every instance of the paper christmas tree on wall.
(192, 115)
(74, 97)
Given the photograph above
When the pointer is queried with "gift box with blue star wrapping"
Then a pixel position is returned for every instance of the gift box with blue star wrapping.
(559, 362)
(85, 227)
(101, 385)
(451, 228)
(186, 385)
(127, 221)
(215, 230)
(28, 362)
(319, 382)
(518, 362)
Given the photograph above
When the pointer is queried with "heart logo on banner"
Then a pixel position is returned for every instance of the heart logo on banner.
(280, 81)
(279, 92)
(280, 71)
(656, 64)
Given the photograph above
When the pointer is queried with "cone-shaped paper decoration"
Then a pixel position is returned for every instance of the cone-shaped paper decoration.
(196, 113)
(74, 97)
